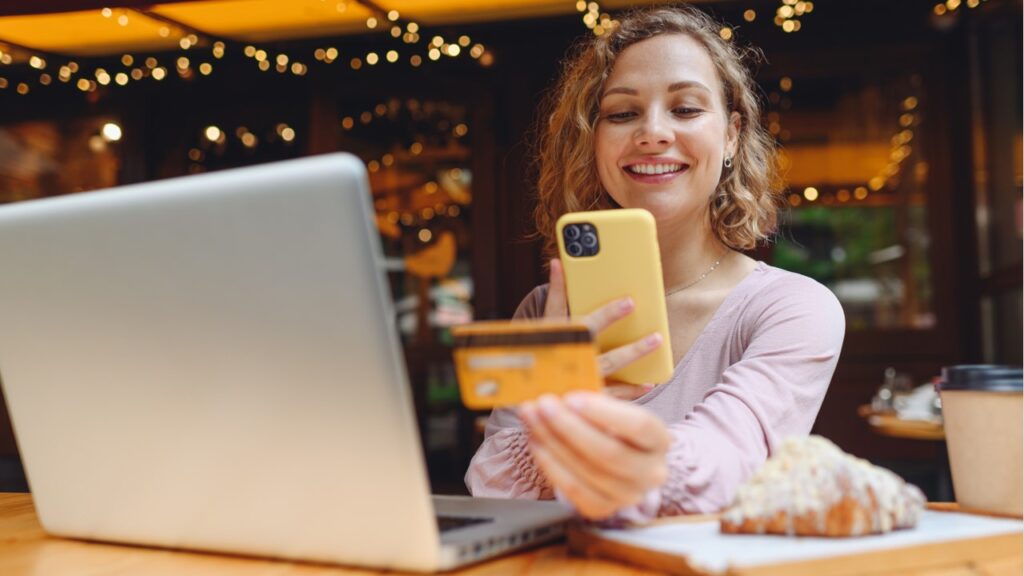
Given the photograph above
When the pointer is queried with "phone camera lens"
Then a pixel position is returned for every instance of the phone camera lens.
(572, 232)
(575, 249)
(589, 240)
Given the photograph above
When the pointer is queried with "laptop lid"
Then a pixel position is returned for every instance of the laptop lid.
(210, 362)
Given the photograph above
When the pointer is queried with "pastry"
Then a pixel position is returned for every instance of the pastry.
(810, 487)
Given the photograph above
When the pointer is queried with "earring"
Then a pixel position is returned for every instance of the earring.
(728, 162)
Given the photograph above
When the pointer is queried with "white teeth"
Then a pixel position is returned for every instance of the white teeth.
(654, 168)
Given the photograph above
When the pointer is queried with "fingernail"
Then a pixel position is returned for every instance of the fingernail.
(527, 413)
(576, 401)
(653, 340)
(548, 405)
(626, 305)
(647, 387)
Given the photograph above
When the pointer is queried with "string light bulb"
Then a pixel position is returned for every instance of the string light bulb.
(594, 19)
(789, 12)
(408, 31)
(111, 132)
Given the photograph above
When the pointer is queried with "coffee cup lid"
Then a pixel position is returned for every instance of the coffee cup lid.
(986, 377)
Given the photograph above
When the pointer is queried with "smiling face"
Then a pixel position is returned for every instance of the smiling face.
(663, 130)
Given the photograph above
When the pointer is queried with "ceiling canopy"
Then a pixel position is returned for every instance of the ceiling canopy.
(78, 28)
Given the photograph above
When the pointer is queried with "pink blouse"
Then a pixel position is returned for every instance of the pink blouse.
(755, 375)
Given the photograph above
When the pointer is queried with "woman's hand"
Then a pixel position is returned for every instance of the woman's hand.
(613, 360)
(602, 453)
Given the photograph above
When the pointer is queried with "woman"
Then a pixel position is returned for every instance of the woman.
(661, 114)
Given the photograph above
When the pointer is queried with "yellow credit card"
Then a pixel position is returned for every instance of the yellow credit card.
(503, 363)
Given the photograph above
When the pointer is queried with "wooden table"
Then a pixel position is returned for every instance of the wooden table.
(890, 425)
(26, 549)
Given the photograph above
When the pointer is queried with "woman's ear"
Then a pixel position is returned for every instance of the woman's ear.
(732, 134)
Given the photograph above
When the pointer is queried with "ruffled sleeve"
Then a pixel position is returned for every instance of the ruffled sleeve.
(774, 391)
(502, 467)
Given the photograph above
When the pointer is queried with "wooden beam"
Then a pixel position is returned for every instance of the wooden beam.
(22, 8)
(145, 11)
(14, 46)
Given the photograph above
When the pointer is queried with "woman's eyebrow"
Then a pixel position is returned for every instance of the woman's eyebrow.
(620, 90)
(674, 87)
(688, 84)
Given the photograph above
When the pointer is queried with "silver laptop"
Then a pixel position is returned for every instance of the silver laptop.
(211, 363)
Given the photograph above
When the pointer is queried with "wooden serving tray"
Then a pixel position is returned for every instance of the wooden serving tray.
(889, 424)
(944, 542)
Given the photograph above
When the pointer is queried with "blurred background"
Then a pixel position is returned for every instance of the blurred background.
(899, 124)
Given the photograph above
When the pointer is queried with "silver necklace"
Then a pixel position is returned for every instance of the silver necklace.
(702, 276)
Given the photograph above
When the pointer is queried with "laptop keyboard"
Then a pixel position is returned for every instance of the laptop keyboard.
(448, 523)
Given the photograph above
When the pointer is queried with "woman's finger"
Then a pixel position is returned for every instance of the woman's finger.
(588, 503)
(604, 316)
(631, 423)
(613, 360)
(608, 487)
(615, 484)
(625, 391)
(612, 464)
(556, 306)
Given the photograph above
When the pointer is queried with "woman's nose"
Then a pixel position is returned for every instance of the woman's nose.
(653, 131)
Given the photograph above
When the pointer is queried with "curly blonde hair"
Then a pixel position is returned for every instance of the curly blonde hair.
(744, 208)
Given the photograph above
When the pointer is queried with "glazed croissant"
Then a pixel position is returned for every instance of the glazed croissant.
(810, 487)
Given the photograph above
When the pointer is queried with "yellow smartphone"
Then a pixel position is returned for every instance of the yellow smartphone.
(612, 254)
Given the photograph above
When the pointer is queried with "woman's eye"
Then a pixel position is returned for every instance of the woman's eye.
(686, 111)
(619, 116)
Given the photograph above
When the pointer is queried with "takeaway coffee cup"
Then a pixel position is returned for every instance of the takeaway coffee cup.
(982, 408)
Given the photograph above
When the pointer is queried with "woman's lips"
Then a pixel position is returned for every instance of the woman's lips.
(655, 178)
